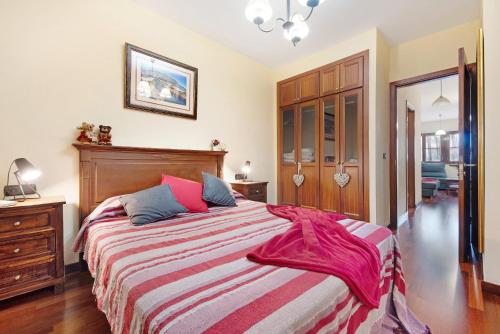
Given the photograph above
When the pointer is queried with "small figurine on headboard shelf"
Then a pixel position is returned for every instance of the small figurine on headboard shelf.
(86, 133)
(104, 135)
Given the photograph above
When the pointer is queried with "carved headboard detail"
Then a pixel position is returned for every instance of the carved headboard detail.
(107, 171)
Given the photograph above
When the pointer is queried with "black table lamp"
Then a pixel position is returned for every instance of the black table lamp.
(26, 172)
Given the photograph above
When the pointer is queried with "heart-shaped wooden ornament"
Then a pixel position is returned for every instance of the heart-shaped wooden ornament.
(298, 179)
(342, 179)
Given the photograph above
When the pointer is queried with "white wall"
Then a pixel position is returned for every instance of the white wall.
(62, 62)
(491, 25)
(445, 124)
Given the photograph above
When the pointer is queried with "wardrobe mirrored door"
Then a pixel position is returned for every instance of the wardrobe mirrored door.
(329, 153)
(287, 155)
(351, 152)
(308, 191)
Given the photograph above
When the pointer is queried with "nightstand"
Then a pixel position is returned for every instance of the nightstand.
(253, 190)
(31, 246)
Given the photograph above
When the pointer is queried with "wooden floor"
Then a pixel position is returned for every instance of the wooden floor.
(438, 292)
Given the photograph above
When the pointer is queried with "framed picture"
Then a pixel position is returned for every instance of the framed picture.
(158, 84)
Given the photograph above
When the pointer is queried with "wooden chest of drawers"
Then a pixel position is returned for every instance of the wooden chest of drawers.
(253, 190)
(31, 246)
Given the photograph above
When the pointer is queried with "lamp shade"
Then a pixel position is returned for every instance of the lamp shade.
(441, 101)
(298, 31)
(310, 3)
(26, 170)
(258, 11)
(246, 167)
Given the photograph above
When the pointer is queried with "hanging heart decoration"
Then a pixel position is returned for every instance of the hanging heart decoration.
(342, 179)
(298, 179)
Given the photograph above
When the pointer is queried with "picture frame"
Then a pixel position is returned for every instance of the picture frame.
(155, 83)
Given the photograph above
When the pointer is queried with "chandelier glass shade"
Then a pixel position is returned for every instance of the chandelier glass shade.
(294, 25)
(259, 11)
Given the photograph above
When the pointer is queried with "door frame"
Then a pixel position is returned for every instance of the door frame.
(410, 157)
(393, 168)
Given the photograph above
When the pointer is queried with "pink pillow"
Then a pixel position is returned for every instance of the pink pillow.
(188, 193)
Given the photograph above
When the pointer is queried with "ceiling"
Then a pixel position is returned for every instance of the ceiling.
(429, 91)
(332, 22)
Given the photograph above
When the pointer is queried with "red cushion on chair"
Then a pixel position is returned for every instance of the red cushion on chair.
(188, 193)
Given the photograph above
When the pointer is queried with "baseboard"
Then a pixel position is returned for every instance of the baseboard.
(491, 288)
(72, 268)
(403, 218)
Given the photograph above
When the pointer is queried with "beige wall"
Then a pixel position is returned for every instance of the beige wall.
(381, 130)
(433, 52)
(491, 25)
(62, 62)
(377, 101)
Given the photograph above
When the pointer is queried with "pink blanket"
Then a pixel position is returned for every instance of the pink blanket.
(317, 242)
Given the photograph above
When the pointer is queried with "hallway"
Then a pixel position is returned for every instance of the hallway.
(437, 288)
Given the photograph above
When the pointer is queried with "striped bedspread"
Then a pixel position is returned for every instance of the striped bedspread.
(190, 275)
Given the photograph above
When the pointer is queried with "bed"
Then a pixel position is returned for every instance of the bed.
(190, 274)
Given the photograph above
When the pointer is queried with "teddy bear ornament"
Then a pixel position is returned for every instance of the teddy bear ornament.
(104, 135)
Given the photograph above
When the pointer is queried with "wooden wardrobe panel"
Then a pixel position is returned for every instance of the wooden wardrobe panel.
(330, 191)
(287, 154)
(337, 146)
(351, 152)
(308, 153)
(329, 80)
(351, 74)
(352, 194)
(288, 93)
(308, 191)
(288, 190)
(309, 86)
(329, 152)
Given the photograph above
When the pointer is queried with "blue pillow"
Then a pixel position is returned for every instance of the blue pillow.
(215, 191)
(151, 205)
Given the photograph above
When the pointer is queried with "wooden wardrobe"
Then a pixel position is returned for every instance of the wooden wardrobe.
(322, 130)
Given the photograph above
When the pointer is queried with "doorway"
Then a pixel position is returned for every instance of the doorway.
(439, 154)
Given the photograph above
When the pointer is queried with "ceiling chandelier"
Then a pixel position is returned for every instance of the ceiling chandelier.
(294, 26)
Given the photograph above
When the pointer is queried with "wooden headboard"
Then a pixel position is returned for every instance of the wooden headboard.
(107, 171)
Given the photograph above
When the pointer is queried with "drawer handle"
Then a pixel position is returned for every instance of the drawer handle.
(17, 277)
(257, 191)
(16, 250)
(17, 223)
